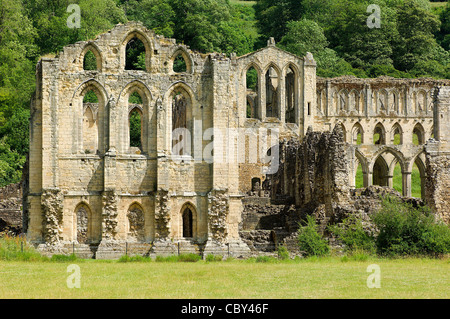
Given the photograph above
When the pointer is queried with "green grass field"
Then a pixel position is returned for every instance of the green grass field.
(330, 277)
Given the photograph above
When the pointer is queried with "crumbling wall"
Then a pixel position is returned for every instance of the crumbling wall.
(314, 171)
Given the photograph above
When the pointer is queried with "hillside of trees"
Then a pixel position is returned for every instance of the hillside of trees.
(413, 40)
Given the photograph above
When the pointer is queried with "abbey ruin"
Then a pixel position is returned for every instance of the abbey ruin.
(209, 152)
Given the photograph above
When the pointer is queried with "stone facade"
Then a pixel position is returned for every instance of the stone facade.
(89, 188)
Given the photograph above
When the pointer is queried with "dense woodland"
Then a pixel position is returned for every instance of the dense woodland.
(413, 41)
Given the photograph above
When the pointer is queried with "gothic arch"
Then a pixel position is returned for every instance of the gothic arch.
(357, 130)
(78, 109)
(272, 89)
(91, 46)
(396, 130)
(82, 223)
(419, 131)
(381, 131)
(135, 223)
(185, 55)
(147, 45)
(188, 218)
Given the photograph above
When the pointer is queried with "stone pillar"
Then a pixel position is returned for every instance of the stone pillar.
(406, 184)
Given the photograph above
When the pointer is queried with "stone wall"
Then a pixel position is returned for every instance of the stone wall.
(11, 208)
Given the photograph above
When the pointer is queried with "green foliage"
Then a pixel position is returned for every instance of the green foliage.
(310, 241)
(89, 61)
(126, 258)
(211, 258)
(63, 258)
(283, 253)
(135, 129)
(405, 230)
(15, 248)
(353, 235)
(179, 258)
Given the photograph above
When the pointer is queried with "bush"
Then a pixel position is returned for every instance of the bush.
(406, 230)
(353, 235)
(126, 258)
(211, 257)
(181, 258)
(310, 241)
(265, 259)
(15, 248)
(63, 258)
(283, 253)
(189, 257)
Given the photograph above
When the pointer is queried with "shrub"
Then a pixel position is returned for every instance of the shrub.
(211, 257)
(126, 258)
(353, 235)
(310, 241)
(406, 230)
(15, 248)
(189, 257)
(265, 259)
(283, 253)
(63, 258)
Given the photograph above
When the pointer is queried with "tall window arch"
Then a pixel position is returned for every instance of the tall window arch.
(272, 92)
(182, 122)
(357, 134)
(290, 89)
(397, 134)
(135, 121)
(83, 222)
(252, 92)
(188, 221)
(379, 134)
(90, 123)
(418, 135)
(136, 223)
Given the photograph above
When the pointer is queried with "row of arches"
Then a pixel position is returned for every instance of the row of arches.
(137, 118)
(136, 54)
(388, 167)
(385, 101)
(379, 136)
(135, 225)
(271, 92)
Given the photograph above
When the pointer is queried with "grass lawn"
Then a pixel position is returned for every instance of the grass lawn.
(329, 277)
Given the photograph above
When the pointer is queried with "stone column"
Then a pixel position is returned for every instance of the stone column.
(406, 184)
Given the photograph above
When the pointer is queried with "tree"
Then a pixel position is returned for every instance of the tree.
(416, 27)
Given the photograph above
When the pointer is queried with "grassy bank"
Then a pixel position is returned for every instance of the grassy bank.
(330, 277)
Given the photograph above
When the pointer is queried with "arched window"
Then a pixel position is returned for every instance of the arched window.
(136, 223)
(397, 134)
(90, 124)
(135, 120)
(357, 134)
(83, 223)
(89, 61)
(182, 122)
(135, 58)
(379, 135)
(418, 135)
(290, 96)
(188, 230)
(252, 94)
(179, 64)
(272, 92)
(380, 172)
(135, 127)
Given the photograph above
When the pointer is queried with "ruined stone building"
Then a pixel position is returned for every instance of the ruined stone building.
(92, 183)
